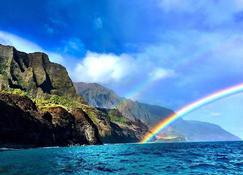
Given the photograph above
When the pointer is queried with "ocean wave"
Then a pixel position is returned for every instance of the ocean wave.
(162, 159)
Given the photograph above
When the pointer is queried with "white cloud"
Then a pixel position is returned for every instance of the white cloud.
(111, 68)
(25, 45)
(160, 73)
(104, 67)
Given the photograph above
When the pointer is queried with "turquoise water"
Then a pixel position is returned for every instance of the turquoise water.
(159, 158)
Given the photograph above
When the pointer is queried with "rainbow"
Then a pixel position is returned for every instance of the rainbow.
(191, 107)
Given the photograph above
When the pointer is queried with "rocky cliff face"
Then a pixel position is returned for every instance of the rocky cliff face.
(123, 129)
(33, 73)
(113, 127)
(47, 108)
(22, 124)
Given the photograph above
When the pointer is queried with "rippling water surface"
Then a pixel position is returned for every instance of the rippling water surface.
(158, 158)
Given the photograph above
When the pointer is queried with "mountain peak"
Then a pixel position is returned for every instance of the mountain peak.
(97, 95)
(33, 72)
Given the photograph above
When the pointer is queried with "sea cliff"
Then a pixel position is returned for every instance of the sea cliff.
(40, 107)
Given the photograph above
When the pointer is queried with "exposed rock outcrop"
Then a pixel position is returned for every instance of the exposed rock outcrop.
(22, 124)
(33, 73)
(85, 125)
(113, 127)
(19, 127)
(123, 129)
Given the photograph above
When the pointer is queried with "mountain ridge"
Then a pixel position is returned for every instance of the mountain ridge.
(99, 96)
(152, 115)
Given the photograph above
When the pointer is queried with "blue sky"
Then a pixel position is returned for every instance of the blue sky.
(165, 52)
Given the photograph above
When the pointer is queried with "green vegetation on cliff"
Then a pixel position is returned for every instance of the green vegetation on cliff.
(116, 117)
(2, 69)
(47, 101)
(55, 100)
(15, 92)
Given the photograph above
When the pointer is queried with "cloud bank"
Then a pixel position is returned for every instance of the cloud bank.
(111, 68)
(104, 68)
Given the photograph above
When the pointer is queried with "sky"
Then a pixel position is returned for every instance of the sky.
(163, 52)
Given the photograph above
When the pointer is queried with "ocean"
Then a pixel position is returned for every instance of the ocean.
(204, 158)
